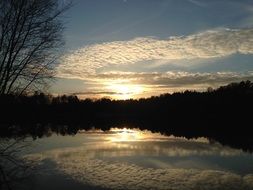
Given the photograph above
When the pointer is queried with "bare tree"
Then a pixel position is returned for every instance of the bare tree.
(30, 37)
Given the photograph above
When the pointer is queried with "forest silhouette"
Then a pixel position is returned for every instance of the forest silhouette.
(223, 114)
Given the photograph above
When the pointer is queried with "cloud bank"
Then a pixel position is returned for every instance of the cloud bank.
(172, 78)
(204, 45)
(100, 65)
(155, 83)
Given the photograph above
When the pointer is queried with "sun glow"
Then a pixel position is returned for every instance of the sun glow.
(125, 91)
(125, 134)
(131, 135)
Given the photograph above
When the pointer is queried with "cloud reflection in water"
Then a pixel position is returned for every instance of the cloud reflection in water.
(133, 159)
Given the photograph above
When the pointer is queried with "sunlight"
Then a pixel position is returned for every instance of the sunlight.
(122, 89)
(135, 134)
(125, 91)
(122, 135)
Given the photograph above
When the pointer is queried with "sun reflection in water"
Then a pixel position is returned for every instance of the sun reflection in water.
(130, 135)
(125, 134)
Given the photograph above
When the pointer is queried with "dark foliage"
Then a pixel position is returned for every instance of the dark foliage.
(224, 114)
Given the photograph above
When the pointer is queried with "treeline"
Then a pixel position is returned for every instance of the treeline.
(224, 114)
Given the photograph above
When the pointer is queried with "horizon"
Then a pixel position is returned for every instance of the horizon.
(126, 49)
(84, 96)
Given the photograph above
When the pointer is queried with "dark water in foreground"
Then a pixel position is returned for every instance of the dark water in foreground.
(134, 159)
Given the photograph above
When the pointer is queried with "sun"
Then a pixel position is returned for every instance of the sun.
(125, 91)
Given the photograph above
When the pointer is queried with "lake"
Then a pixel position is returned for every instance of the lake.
(134, 159)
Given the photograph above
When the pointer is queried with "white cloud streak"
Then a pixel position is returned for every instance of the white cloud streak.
(204, 45)
(173, 78)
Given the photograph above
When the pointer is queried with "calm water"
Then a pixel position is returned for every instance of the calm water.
(133, 159)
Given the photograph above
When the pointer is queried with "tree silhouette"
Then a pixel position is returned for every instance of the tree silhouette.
(222, 114)
(30, 35)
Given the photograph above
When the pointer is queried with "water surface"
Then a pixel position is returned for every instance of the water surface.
(134, 159)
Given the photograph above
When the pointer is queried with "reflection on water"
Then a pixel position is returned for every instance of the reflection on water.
(134, 159)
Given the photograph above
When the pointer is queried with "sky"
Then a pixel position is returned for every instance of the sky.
(123, 49)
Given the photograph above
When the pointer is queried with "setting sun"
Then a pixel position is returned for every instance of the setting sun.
(125, 91)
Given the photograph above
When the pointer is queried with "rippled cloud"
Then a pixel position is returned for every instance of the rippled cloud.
(204, 45)
(145, 84)
(173, 78)
(103, 66)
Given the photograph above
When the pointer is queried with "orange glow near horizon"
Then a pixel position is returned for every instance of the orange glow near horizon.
(125, 134)
(125, 91)
(135, 134)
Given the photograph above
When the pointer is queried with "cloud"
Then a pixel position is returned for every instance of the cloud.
(124, 85)
(204, 45)
(156, 82)
(173, 78)
(102, 66)
(96, 93)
